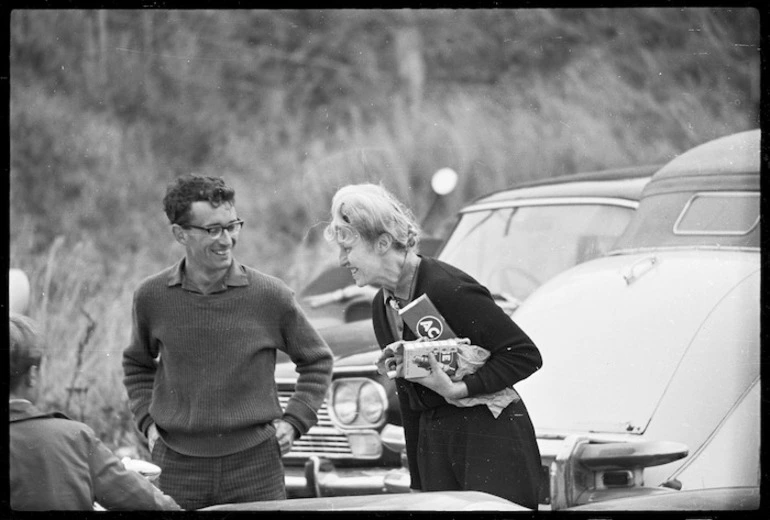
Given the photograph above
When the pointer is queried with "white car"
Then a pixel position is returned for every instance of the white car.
(651, 376)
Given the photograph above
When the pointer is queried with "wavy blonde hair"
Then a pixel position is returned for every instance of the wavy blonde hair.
(367, 211)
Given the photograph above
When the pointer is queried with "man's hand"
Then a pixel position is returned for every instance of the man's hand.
(152, 436)
(286, 434)
(439, 382)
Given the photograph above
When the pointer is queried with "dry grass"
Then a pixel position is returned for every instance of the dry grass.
(103, 230)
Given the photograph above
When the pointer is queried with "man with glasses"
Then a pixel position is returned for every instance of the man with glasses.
(199, 370)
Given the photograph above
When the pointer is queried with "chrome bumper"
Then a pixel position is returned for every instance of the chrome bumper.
(320, 478)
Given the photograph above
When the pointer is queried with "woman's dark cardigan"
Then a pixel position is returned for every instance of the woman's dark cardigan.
(472, 313)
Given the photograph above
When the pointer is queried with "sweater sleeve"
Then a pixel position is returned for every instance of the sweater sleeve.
(118, 488)
(471, 311)
(313, 359)
(139, 367)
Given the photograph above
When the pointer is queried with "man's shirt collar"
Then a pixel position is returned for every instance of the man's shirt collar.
(235, 277)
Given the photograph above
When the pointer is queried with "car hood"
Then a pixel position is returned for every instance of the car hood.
(352, 343)
(620, 333)
(426, 501)
(719, 499)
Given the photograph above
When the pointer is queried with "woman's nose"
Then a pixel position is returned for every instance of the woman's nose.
(343, 258)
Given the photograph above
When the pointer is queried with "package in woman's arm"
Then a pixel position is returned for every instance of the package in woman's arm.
(425, 320)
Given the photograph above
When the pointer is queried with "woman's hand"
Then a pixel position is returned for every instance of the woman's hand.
(391, 360)
(439, 382)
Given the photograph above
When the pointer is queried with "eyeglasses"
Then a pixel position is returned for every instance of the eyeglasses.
(216, 231)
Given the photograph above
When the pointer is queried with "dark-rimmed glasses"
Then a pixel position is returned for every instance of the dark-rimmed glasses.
(216, 231)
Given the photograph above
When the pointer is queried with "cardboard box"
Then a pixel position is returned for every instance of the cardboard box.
(422, 317)
(416, 363)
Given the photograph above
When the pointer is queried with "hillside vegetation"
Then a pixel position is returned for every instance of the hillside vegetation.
(109, 106)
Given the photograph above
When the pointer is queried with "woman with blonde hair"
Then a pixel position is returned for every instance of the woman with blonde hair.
(449, 447)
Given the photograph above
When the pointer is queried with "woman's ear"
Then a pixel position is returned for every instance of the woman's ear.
(384, 242)
(179, 233)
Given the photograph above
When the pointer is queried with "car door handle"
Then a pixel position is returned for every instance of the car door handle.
(639, 269)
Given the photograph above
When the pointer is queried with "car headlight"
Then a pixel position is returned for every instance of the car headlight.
(358, 402)
(371, 406)
(344, 403)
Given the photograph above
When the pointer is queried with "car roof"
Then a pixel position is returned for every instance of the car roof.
(727, 163)
(625, 183)
(721, 170)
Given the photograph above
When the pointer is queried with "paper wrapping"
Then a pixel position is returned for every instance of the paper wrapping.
(469, 359)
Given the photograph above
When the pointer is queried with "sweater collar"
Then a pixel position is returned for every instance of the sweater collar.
(235, 277)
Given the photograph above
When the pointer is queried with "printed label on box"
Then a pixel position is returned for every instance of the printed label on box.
(422, 317)
(416, 363)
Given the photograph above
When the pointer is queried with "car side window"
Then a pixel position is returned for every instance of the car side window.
(727, 213)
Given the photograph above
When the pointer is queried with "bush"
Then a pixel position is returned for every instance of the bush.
(109, 106)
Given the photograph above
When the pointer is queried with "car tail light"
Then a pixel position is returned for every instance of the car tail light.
(590, 471)
(357, 402)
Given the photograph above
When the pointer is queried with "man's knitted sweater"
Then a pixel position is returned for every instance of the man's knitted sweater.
(201, 367)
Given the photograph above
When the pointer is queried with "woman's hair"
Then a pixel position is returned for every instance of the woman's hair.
(368, 211)
(24, 347)
(193, 188)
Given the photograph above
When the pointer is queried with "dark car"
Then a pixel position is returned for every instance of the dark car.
(512, 241)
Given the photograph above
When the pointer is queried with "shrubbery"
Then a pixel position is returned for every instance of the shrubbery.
(109, 106)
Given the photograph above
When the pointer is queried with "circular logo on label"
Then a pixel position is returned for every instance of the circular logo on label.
(429, 327)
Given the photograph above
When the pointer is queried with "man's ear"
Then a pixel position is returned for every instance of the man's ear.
(33, 376)
(384, 242)
(179, 234)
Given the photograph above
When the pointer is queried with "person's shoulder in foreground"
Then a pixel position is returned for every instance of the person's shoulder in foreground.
(57, 463)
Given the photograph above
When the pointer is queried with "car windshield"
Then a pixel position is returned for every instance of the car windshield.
(515, 249)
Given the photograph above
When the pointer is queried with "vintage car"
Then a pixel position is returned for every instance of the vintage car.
(460, 501)
(512, 241)
(650, 392)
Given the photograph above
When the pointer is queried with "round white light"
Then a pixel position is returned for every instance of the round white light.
(371, 402)
(345, 403)
(444, 181)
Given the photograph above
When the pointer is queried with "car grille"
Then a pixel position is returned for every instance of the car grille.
(323, 439)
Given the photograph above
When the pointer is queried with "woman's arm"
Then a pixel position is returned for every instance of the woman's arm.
(472, 313)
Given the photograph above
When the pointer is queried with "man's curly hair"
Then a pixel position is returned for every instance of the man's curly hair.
(192, 188)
